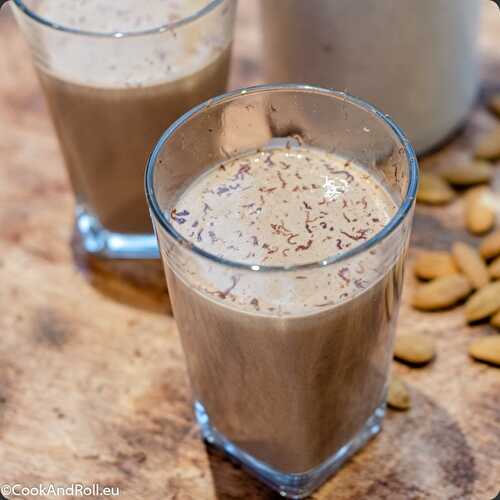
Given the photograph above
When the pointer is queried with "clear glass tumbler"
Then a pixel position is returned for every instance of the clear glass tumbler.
(293, 389)
(115, 75)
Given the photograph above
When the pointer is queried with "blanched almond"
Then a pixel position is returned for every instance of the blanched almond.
(490, 246)
(469, 261)
(468, 174)
(433, 190)
(479, 210)
(486, 349)
(442, 292)
(488, 145)
(484, 303)
(434, 264)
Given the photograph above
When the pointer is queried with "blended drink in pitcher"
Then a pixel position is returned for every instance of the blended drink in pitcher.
(423, 73)
(290, 367)
(116, 84)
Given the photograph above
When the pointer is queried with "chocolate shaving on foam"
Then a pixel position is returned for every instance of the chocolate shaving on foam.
(301, 248)
(179, 217)
(342, 273)
(360, 234)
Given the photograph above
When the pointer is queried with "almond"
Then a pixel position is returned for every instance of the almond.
(494, 269)
(494, 103)
(398, 396)
(479, 210)
(442, 292)
(433, 190)
(468, 174)
(488, 145)
(430, 265)
(484, 303)
(486, 349)
(414, 348)
(490, 246)
(495, 320)
(469, 261)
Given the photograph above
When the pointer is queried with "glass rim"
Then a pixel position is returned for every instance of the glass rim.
(396, 220)
(210, 5)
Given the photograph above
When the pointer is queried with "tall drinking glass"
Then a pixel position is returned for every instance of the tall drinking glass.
(283, 216)
(115, 75)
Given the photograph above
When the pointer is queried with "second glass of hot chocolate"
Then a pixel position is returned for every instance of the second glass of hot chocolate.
(115, 75)
(283, 215)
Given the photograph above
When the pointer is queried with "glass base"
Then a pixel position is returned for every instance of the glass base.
(99, 241)
(290, 485)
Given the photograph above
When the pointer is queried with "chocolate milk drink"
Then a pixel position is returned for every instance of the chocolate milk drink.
(109, 111)
(287, 373)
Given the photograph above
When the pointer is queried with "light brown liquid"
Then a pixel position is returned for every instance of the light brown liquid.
(107, 133)
(289, 366)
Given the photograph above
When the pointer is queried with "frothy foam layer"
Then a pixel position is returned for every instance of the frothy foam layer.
(103, 16)
(285, 207)
(135, 61)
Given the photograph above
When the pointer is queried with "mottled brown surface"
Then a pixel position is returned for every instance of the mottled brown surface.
(92, 380)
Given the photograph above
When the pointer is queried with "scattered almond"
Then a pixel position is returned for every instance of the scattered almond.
(442, 292)
(414, 348)
(490, 246)
(486, 349)
(494, 103)
(484, 303)
(468, 174)
(433, 190)
(430, 265)
(479, 210)
(398, 396)
(488, 145)
(469, 261)
(494, 269)
(495, 320)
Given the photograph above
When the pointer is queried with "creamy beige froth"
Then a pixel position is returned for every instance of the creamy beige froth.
(137, 60)
(284, 207)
